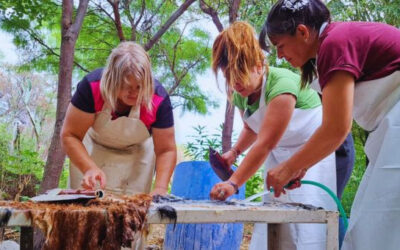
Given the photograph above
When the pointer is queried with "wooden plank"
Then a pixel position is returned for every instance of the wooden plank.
(195, 213)
(273, 236)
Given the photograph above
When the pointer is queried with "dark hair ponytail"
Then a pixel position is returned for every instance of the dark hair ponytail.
(283, 19)
(308, 71)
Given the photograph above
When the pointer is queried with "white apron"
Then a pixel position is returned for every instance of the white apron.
(302, 125)
(375, 214)
(123, 150)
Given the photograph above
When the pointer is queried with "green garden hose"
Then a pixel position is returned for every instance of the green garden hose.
(332, 194)
(334, 197)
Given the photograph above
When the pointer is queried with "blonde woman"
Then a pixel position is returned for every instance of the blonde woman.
(279, 117)
(119, 127)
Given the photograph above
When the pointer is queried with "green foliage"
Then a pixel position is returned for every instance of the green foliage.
(366, 10)
(177, 60)
(360, 165)
(64, 174)
(20, 165)
(23, 159)
(197, 149)
(181, 54)
(255, 184)
(31, 23)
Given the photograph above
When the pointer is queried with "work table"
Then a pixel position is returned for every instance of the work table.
(212, 212)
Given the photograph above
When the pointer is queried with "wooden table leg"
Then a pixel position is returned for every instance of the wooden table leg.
(332, 232)
(26, 238)
(273, 236)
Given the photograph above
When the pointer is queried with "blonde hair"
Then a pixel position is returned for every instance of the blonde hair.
(236, 51)
(128, 59)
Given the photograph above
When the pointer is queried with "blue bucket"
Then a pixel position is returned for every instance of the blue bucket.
(194, 180)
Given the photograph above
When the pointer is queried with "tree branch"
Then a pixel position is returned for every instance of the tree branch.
(183, 74)
(104, 11)
(233, 10)
(168, 23)
(117, 19)
(157, 10)
(212, 13)
(41, 42)
(141, 13)
(80, 15)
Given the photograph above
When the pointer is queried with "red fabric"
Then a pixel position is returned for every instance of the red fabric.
(98, 100)
(366, 50)
(149, 117)
(146, 116)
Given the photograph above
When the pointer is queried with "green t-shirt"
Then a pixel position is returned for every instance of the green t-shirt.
(281, 81)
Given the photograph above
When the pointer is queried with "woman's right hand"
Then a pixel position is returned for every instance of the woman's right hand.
(91, 177)
(229, 157)
(221, 191)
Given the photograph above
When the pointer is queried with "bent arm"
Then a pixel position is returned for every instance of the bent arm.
(76, 124)
(165, 150)
(277, 117)
(337, 103)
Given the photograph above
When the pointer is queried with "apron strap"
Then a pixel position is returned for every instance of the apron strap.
(135, 112)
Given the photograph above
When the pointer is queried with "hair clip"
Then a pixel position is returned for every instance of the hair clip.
(294, 5)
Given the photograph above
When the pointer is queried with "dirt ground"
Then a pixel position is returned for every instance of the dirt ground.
(155, 238)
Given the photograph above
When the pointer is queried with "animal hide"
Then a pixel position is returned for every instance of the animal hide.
(109, 223)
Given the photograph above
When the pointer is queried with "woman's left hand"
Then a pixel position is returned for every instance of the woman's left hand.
(158, 191)
(280, 176)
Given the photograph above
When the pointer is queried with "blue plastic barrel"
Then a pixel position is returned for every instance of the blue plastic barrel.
(194, 180)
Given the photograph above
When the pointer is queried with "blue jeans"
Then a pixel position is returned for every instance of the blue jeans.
(344, 166)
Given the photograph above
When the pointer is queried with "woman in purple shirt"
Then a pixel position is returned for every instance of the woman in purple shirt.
(358, 69)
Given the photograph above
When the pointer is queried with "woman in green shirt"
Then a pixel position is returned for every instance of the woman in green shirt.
(279, 117)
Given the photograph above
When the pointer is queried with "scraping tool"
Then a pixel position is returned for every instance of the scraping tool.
(58, 194)
(219, 166)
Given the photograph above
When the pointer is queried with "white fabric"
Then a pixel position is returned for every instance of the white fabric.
(254, 120)
(123, 149)
(301, 126)
(9, 245)
(375, 214)
(374, 99)
(315, 85)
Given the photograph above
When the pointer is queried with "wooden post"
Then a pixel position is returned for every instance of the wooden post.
(273, 236)
(26, 238)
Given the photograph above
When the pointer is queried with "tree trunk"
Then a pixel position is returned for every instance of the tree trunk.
(227, 128)
(56, 156)
(229, 109)
(69, 32)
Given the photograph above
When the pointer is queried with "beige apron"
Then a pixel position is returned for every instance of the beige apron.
(123, 150)
(375, 213)
(301, 127)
